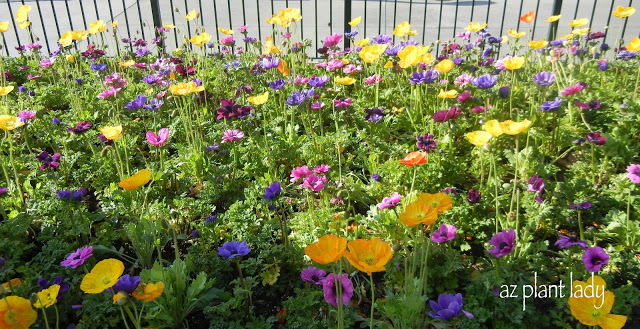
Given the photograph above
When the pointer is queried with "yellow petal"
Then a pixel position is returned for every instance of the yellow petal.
(355, 21)
(137, 180)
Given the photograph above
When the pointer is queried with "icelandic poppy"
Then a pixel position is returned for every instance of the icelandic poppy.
(554, 18)
(371, 54)
(283, 68)
(102, 276)
(111, 133)
(448, 94)
(4, 27)
(22, 312)
(47, 297)
(475, 27)
(414, 158)
(418, 212)
(200, 39)
(355, 21)
(516, 34)
(411, 55)
(185, 88)
(368, 256)
(444, 66)
(225, 31)
(4, 91)
(149, 291)
(403, 29)
(192, 15)
(97, 27)
(22, 14)
(479, 137)
(528, 17)
(634, 45)
(493, 127)
(345, 80)
(579, 22)
(594, 310)
(328, 249)
(141, 178)
(440, 201)
(259, 99)
(513, 128)
(514, 63)
(623, 12)
(537, 44)
(9, 122)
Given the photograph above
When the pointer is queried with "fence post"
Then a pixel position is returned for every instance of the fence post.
(157, 19)
(557, 7)
(347, 19)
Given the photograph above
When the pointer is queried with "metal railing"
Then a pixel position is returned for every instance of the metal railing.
(433, 19)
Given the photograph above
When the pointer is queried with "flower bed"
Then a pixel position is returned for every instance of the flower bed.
(387, 185)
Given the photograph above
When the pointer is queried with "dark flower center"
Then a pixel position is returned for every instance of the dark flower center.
(573, 239)
(596, 260)
(315, 278)
(502, 245)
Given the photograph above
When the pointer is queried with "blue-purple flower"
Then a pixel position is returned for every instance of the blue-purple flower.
(272, 191)
(136, 103)
(594, 259)
(313, 275)
(424, 77)
(126, 284)
(234, 249)
(544, 79)
(318, 82)
(473, 196)
(551, 106)
(48, 161)
(504, 243)
(580, 206)
(374, 114)
(486, 81)
(153, 105)
(448, 307)
(567, 242)
(426, 143)
(277, 85)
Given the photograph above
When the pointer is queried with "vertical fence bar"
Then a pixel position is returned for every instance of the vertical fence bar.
(624, 27)
(157, 21)
(504, 12)
(229, 11)
(395, 11)
(455, 20)
(111, 15)
(13, 22)
(84, 19)
(75, 44)
(535, 20)
(126, 18)
(575, 13)
(186, 8)
(273, 33)
(215, 12)
(519, 14)
(365, 21)
(439, 28)
(244, 14)
(473, 7)
(55, 17)
(95, 8)
(331, 17)
(140, 17)
(173, 18)
(44, 28)
(488, 10)
(553, 28)
(380, 18)
(606, 33)
(301, 23)
(424, 21)
(316, 29)
(347, 18)
(410, 10)
(593, 11)
(202, 13)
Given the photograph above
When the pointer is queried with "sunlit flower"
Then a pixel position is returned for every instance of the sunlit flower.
(475, 27)
(595, 309)
(22, 312)
(554, 18)
(479, 137)
(97, 27)
(444, 66)
(192, 15)
(158, 140)
(9, 122)
(47, 297)
(139, 179)
(624, 12)
(579, 22)
(513, 128)
(200, 39)
(345, 80)
(537, 44)
(448, 94)
(225, 31)
(504, 243)
(259, 99)
(355, 21)
(403, 29)
(633, 173)
(444, 234)
(594, 259)
(4, 91)
(148, 291)
(185, 88)
(440, 201)
(328, 249)
(633, 45)
(368, 255)
(102, 276)
(528, 17)
(413, 158)
(4, 27)
(516, 34)
(111, 132)
(418, 212)
(390, 202)
(514, 63)
(371, 54)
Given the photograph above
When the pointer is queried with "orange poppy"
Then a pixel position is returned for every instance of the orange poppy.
(528, 17)
(148, 292)
(418, 212)
(440, 201)
(414, 158)
(327, 249)
(368, 256)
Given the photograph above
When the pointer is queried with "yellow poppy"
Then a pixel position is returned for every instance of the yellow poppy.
(66, 39)
(70, 59)
(440, 201)
(141, 178)
(516, 34)
(149, 291)
(537, 44)
(479, 137)
(445, 66)
(111, 132)
(624, 12)
(24, 24)
(79, 35)
(388, 64)
(401, 30)
(492, 127)
(11, 284)
(22, 312)
(566, 36)
(9, 122)
(97, 27)
(411, 55)
(514, 63)
(418, 212)
(448, 94)
(259, 99)
(552, 19)
(513, 128)
(345, 80)
(362, 43)
(192, 15)
(168, 26)
(4, 27)
(592, 311)
(581, 31)
(114, 24)
(128, 63)
(579, 22)
(119, 296)
(371, 54)
(47, 297)
(201, 39)
(102, 276)
(369, 256)
(270, 48)
(185, 88)
(22, 15)
(634, 45)
(427, 58)
(355, 21)
(4, 91)
(225, 31)
(328, 249)
(475, 27)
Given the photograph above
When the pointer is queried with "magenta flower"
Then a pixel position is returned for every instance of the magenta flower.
(443, 116)
(78, 258)
(634, 173)
(570, 91)
(313, 275)
(314, 183)
(300, 172)
(321, 169)
(332, 40)
(390, 202)
(232, 135)
(594, 259)
(504, 243)
(108, 93)
(444, 234)
(158, 140)
(80, 127)
(373, 79)
(28, 115)
(328, 286)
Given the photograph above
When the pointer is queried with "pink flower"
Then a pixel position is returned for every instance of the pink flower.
(500, 63)
(47, 62)
(157, 140)
(28, 115)
(444, 234)
(351, 68)
(314, 183)
(78, 258)
(328, 287)
(321, 169)
(232, 135)
(114, 80)
(373, 79)
(108, 93)
(390, 202)
(300, 172)
(243, 28)
(286, 35)
(633, 173)
(334, 65)
(228, 40)
(478, 109)
(463, 79)
(33, 77)
(570, 91)
(332, 40)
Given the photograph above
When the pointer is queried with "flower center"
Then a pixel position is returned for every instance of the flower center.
(369, 259)
(595, 260)
(315, 278)
(502, 245)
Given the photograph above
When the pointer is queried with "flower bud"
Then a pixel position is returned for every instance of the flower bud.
(33, 298)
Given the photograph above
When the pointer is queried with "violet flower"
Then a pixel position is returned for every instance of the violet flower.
(544, 79)
(551, 106)
(48, 161)
(390, 202)
(444, 234)
(328, 286)
(136, 103)
(595, 138)
(594, 259)
(272, 191)
(234, 249)
(313, 275)
(504, 243)
(567, 242)
(426, 143)
(448, 307)
(126, 283)
(473, 196)
(633, 173)
(580, 206)
(443, 116)
(486, 81)
(78, 257)
(374, 114)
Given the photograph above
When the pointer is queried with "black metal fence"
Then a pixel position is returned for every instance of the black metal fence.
(433, 19)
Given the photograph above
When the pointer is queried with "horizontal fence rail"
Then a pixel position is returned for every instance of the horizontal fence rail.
(432, 19)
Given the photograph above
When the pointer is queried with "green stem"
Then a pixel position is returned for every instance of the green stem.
(580, 226)
(372, 299)
(57, 316)
(13, 165)
(495, 184)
